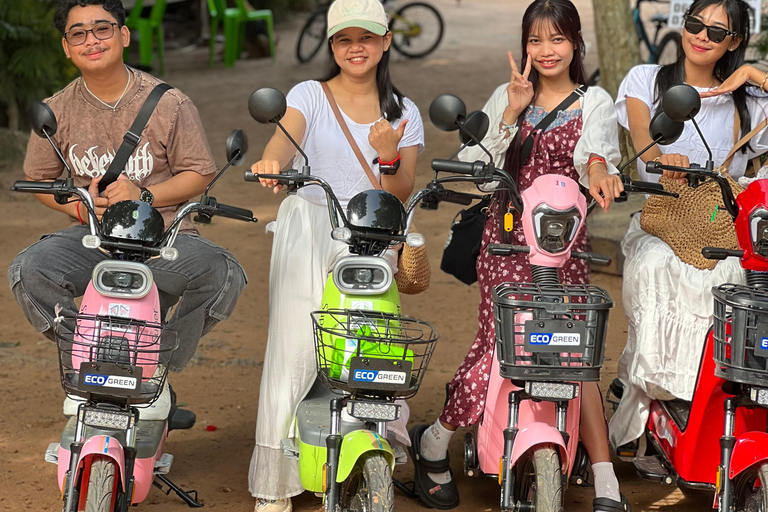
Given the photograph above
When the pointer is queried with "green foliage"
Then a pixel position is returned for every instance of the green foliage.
(32, 62)
(760, 41)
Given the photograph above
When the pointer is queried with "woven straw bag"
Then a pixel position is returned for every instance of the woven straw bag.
(412, 270)
(695, 220)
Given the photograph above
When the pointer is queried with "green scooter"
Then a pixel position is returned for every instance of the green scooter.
(368, 353)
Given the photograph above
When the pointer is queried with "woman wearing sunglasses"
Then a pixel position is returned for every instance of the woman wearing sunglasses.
(668, 303)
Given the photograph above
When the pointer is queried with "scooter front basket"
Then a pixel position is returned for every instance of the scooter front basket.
(114, 357)
(369, 353)
(740, 334)
(550, 332)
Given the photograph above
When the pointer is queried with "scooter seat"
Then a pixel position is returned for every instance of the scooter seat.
(679, 410)
(182, 419)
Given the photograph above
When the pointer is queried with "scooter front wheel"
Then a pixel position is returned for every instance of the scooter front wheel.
(749, 497)
(369, 487)
(102, 485)
(539, 479)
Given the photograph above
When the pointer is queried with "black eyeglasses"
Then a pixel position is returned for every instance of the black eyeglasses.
(100, 31)
(694, 25)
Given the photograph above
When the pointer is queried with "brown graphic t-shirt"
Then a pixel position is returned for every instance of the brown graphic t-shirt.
(89, 134)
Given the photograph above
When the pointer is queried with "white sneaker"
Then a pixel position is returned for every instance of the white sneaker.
(273, 505)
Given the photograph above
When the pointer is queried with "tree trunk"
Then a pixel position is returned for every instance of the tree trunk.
(618, 52)
(13, 115)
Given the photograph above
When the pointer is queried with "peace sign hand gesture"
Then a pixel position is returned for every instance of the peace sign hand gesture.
(519, 90)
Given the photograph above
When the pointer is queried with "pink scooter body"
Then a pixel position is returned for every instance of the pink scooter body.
(537, 420)
(146, 308)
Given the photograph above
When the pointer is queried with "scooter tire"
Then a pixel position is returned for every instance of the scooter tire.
(369, 487)
(539, 480)
(101, 485)
(748, 497)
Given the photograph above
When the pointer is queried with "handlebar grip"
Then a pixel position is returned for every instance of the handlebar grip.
(233, 212)
(34, 186)
(716, 253)
(457, 197)
(506, 249)
(453, 166)
(591, 257)
(250, 176)
(654, 168)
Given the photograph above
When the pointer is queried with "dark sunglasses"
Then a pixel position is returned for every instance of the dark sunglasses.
(715, 34)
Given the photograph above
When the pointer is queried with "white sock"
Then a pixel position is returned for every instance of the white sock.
(434, 446)
(606, 484)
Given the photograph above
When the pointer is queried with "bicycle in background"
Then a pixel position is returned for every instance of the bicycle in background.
(417, 29)
(662, 52)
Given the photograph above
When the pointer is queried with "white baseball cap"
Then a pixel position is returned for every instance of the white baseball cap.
(367, 14)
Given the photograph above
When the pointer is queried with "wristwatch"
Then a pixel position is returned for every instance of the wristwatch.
(146, 196)
(389, 168)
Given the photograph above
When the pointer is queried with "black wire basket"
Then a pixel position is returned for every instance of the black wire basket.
(740, 334)
(118, 359)
(550, 332)
(369, 353)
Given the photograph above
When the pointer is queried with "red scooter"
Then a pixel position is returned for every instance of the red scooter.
(730, 401)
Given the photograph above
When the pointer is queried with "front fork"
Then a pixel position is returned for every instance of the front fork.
(506, 475)
(727, 442)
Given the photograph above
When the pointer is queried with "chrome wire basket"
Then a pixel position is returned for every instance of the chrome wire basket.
(740, 334)
(550, 332)
(115, 358)
(369, 353)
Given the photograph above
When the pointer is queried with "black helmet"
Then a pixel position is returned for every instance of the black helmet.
(377, 209)
(133, 220)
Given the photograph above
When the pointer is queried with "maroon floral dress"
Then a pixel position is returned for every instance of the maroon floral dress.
(552, 154)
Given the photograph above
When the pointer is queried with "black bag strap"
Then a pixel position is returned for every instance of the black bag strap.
(527, 146)
(133, 136)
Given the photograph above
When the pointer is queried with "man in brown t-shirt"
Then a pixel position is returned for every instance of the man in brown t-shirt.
(171, 164)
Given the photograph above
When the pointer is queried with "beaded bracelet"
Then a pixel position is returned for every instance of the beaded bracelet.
(762, 84)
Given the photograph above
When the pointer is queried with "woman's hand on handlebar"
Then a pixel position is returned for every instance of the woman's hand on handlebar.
(604, 187)
(676, 160)
(268, 167)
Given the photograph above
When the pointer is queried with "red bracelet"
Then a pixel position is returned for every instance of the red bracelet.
(392, 162)
(78, 211)
(594, 158)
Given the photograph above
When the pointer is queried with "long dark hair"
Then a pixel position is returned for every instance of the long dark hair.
(564, 17)
(673, 74)
(390, 97)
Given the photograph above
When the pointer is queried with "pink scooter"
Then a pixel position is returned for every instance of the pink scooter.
(114, 354)
(549, 336)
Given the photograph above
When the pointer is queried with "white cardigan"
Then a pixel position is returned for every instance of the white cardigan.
(599, 134)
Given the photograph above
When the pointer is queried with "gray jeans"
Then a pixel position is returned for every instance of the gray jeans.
(57, 268)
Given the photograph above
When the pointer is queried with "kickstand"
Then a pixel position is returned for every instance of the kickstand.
(189, 497)
(407, 488)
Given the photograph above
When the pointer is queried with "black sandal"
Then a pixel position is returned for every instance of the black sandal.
(609, 505)
(434, 495)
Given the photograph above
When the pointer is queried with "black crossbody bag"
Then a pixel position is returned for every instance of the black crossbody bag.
(463, 245)
(132, 136)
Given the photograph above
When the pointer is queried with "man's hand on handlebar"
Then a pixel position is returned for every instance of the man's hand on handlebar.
(677, 160)
(604, 187)
(268, 167)
(99, 203)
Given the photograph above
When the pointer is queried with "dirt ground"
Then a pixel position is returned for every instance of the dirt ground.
(222, 384)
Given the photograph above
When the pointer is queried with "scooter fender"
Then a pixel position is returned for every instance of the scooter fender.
(750, 449)
(539, 433)
(104, 446)
(355, 445)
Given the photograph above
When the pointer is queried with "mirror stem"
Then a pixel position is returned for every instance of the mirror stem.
(710, 163)
(298, 148)
(474, 139)
(639, 153)
(238, 154)
(56, 149)
(457, 152)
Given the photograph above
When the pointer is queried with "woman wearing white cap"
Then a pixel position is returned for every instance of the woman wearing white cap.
(388, 130)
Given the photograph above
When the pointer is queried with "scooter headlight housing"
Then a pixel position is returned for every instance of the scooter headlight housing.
(362, 275)
(758, 231)
(122, 279)
(555, 229)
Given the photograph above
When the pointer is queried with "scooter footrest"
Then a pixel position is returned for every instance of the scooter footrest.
(651, 468)
(401, 456)
(163, 464)
(52, 453)
(289, 449)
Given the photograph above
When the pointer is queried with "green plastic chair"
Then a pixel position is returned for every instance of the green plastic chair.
(148, 29)
(229, 19)
(247, 15)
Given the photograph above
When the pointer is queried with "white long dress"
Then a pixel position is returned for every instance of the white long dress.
(303, 254)
(669, 303)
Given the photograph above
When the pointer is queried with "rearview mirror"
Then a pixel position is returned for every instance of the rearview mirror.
(445, 112)
(267, 105)
(664, 130)
(681, 102)
(237, 146)
(41, 118)
(475, 124)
